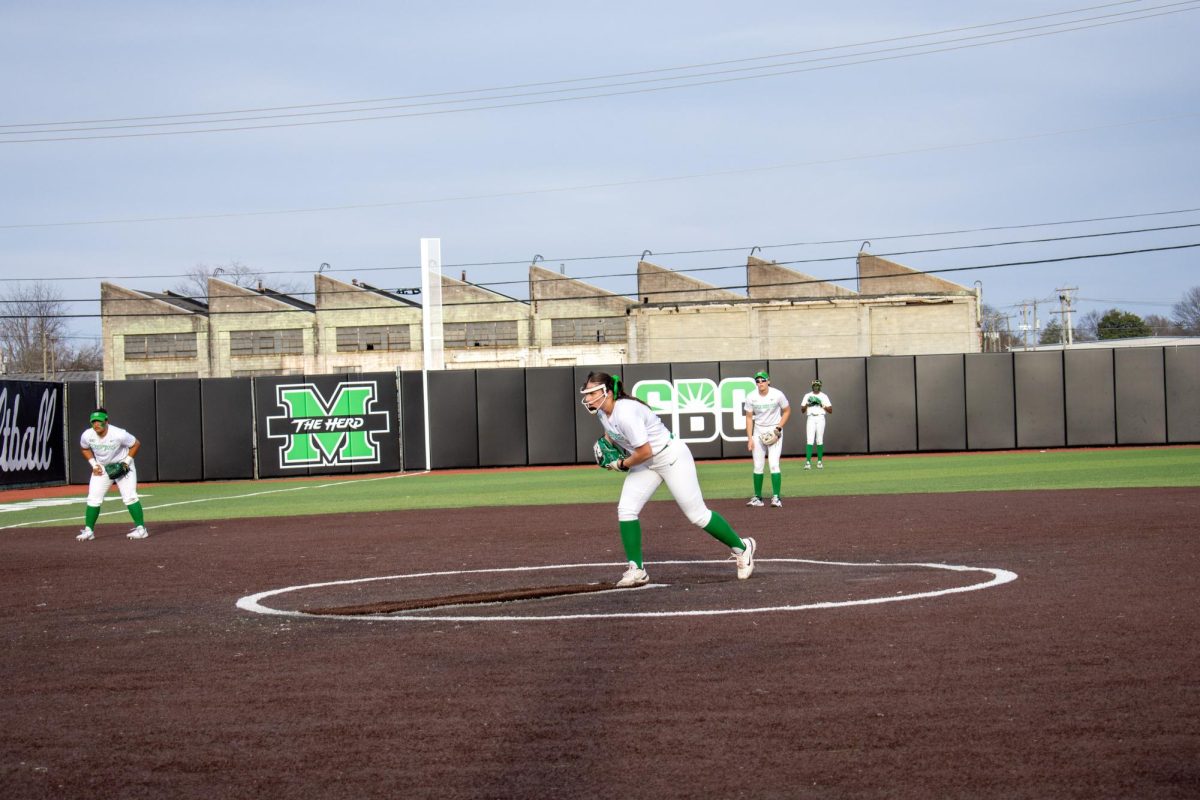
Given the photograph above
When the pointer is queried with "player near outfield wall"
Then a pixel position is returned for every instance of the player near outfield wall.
(636, 442)
(767, 412)
(109, 451)
(816, 406)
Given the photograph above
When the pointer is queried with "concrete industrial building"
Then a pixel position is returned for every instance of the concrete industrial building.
(356, 328)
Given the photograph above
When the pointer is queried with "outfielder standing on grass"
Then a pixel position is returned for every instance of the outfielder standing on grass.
(816, 405)
(636, 442)
(110, 451)
(767, 411)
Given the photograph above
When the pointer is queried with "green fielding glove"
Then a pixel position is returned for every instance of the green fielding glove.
(117, 470)
(814, 401)
(606, 453)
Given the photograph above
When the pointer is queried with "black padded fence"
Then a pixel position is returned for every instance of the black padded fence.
(236, 428)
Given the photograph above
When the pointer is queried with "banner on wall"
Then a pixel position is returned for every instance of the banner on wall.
(31, 433)
(316, 430)
(699, 409)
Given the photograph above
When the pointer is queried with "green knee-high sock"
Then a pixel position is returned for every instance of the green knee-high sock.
(135, 511)
(808, 452)
(820, 452)
(776, 482)
(90, 516)
(631, 539)
(720, 530)
(758, 479)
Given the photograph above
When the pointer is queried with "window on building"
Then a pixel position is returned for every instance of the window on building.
(480, 334)
(160, 345)
(587, 330)
(289, 341)
(375, 337)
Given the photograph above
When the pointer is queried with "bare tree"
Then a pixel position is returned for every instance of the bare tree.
(1087, 329)
(997, 335)
(1161, 326)
(1186, 312)
(195, 280)
(35, 337)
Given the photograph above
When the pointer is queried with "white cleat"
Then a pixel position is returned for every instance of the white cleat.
(820, 465)
(745, 558)
(137, 533)
(776, 502)
(808, 465)
(755, 501)
(634, 576)
(85, 535)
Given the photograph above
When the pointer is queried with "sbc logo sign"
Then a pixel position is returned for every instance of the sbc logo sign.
(697, 409)
(316, 431)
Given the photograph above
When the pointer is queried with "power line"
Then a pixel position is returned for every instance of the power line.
(738, 300)
(743, 248)
(590, 79)
(710, 82)
(794, 262)
(595, 186)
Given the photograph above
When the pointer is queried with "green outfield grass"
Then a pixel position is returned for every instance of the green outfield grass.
(1115, 468)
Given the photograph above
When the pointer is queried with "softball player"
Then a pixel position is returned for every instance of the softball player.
(653, 456)
(110, 451)
(816, 405)
(767, 411)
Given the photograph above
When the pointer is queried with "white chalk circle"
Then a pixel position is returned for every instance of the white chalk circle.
(253, 602)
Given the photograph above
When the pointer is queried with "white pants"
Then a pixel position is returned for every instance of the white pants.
(98, 487)
(762, 453)
(674, 465)
(814, 426)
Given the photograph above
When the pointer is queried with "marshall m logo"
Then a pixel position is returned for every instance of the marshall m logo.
(315, 431)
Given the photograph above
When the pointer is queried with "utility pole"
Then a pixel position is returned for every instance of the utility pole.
(1025, 321)
(1064, 308)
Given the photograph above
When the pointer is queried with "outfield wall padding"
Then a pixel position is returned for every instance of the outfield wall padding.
(81, 402)
(503, 435)
(941, 403)
(1038, 388)
(1183, 394)
(180, 428)
(1140, 395)
(891, 404)
(991, 407)
(549, 421)
(227, 428)
(1088, 396)
(131, 406)
(230, 428)
(845, 381)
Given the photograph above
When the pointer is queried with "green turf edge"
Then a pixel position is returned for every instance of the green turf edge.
(1110, 468)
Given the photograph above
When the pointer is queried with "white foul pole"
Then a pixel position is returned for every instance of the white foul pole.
(431, 326)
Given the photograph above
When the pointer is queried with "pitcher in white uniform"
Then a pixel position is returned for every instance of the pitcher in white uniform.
(652, 456)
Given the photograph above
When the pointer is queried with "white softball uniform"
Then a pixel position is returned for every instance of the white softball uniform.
(814, 425)
(633, 424)
(109, 449)
(767, 412)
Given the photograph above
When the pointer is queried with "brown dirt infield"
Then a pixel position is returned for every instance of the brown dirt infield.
(129, 671)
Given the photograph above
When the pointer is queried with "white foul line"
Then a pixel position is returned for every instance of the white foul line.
(304, 487)
(252, 602)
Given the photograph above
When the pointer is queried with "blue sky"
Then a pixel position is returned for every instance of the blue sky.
(1054, 125)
